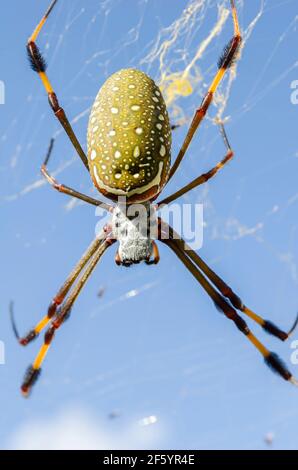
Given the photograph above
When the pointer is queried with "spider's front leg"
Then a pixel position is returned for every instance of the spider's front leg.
(38, 64)
(227, 59)
(60, 316)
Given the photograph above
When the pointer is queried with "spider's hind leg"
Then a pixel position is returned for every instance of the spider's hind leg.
(271, 359)
(59, 297)
(62, 314)
(227, 292)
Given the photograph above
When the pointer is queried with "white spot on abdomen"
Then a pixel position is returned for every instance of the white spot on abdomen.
(162, 151)
(136, 152)
(93, 154)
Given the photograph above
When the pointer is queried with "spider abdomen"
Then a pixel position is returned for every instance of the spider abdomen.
(129, 138)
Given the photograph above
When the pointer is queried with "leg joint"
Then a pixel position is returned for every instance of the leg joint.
(52, 309)
(205, 104)
(241, 324)
(28, 338)
(54, 103)
(49, 334)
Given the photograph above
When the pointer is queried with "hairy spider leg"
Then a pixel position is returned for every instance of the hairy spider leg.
(61, 294)
(227, 292)
(38, 64)
(226, 60)
(271, 358)
(62, 313)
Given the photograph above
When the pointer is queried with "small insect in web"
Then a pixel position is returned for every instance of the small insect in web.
(128, 158)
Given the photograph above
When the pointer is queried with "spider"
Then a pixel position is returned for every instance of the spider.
(129, 151)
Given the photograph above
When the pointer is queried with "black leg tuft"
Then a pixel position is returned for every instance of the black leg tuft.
(277, 365)
(36, 60)
(229, 54)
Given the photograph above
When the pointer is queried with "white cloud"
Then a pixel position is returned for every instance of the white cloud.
(77, 429)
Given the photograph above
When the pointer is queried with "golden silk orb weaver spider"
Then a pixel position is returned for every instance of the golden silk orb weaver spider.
(129, 148)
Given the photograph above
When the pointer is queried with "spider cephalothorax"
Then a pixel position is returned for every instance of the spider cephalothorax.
(135, 228)
(129, 148)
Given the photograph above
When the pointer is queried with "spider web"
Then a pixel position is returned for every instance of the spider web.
(115, 356)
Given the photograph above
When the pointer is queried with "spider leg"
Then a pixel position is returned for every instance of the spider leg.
(271, 359)
(38, 65)
(227, 59)
(66, 189)
(155, 252)
(61, 315)
(60, 296)
(227, 292)
(205, 176)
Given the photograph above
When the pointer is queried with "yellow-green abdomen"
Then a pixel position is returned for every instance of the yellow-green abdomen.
(129, 138)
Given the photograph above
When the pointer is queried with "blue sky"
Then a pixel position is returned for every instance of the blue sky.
(153, 344)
